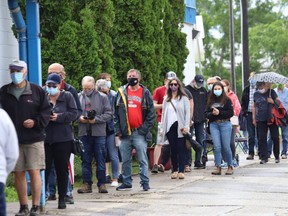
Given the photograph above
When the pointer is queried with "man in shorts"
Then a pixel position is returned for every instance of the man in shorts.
(28, 107)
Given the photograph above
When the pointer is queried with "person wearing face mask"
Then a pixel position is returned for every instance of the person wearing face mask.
(27, 105)
(219, 110)
(210, 82)
(175, 124)
(58, 148)
(247, 100)
(134, 117)
(199, 94)
(96, 114)
(264, 98)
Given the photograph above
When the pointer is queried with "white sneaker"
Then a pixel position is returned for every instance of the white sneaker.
(114, 184)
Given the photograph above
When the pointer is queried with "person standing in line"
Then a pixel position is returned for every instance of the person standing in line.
(58, 148)
(219, 110)
(247, 101)
(9, 153)
(158, 97)
(28, 107)
(92, 132)
(50, 193)
(175, 123)
(199, 94)
(134, 117)
(112, 150)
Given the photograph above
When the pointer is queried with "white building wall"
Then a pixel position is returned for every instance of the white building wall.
(8, 43)
(189, 67)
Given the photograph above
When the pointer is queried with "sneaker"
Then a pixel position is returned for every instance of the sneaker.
(154, 169)
(277, 160)
(69, 199)
(24, 211)
(224, 165)
(114, 184)
(187, 168)
(284, 156)
(161, 168)
(263, 161)
(35, 211)
(145, 186)
(102, 189)
(120, 179)
(199, 165)
(181, 175)
(61, 204)
(250, 157)
(124, 187)
(85, 188)
(108, 179)
(174, 175)
(52, 197)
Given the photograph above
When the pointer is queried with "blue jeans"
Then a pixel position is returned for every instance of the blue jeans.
(137, 141)
(94, 147)
(2, 199)
(252, 139)
(112, 151)
(221, 134)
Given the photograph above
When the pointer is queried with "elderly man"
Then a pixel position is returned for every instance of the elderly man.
(29, 109)
(92, 131)
(134, 116)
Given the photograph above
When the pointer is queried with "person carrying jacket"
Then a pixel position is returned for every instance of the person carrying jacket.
(134, 117)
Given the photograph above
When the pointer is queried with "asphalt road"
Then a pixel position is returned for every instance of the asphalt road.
(254, 189)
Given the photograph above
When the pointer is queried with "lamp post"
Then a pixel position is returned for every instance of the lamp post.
(232, 48)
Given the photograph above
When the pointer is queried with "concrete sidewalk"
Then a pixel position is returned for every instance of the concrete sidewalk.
(199, 190)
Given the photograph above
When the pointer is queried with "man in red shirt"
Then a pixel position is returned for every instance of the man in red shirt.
(158, 97)
(134, 117)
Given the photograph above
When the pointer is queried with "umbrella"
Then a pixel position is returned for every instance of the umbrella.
(270, 77)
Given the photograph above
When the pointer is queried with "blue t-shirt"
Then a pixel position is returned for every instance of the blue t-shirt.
(263, 108)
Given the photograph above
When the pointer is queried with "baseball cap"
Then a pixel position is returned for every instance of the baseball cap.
(17, 65)
(199, 79)
(53, 78)
(170, 75)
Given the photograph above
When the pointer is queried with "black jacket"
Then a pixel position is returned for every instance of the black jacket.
(32, 104)
(200, 103)
(73, 91)
(245, 100)
(225, 111)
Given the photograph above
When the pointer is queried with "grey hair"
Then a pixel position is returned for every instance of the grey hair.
(88, 79)
(101, 83)
(135, 70)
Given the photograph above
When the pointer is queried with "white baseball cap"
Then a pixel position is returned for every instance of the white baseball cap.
(18, 65)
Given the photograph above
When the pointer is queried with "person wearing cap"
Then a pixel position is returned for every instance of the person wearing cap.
(158, 97)
(58, 148)
(50, 193)
(134, 117)
(27, 105)
(199, 93)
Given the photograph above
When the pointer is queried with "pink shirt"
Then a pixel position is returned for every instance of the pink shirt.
(235, 102)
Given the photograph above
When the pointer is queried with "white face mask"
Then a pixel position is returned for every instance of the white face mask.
(210, 86)
(262, 91)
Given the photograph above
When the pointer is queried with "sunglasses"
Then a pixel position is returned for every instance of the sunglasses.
(52, 86)
(175, 84)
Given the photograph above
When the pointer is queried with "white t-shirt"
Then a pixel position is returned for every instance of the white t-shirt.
(172, 114)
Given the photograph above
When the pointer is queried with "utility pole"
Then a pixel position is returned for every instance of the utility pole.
(245, 43)
(232, 48)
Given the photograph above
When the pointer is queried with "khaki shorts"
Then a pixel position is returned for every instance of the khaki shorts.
(31, 157)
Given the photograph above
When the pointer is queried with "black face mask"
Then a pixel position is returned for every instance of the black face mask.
(132, 81)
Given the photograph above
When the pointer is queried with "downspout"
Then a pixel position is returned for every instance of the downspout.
(20, 28)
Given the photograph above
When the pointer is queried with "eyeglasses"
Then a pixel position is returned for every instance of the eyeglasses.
(52, 86)
(175, 84)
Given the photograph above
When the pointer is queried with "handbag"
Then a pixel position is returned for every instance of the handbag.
(78, 147)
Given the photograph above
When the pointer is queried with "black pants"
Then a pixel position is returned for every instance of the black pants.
(60, 153)
(262, 131)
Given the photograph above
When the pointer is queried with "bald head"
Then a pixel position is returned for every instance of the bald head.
(57, 68)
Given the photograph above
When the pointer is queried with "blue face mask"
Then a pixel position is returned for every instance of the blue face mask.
(253, 83)
(52, 91)
(17, 77)
(217, 92)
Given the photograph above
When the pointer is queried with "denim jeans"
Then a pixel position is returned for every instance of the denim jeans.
(2, 199)
(252, 138)
(284, 132)
(221, 134)
(137, 141)
(94, 146)
(112, 151)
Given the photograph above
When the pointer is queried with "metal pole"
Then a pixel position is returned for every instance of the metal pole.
(232, 48)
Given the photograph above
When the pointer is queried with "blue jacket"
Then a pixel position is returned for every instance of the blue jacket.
(148, 113)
